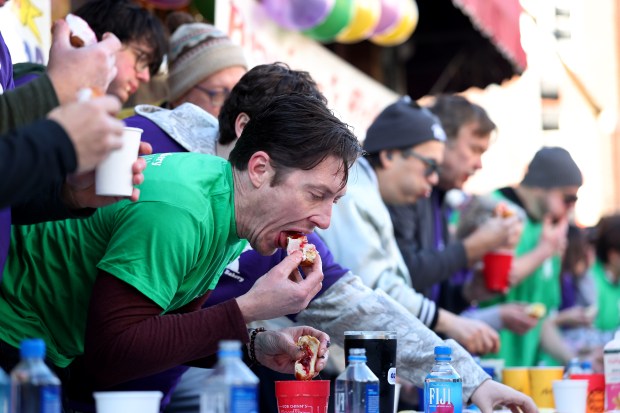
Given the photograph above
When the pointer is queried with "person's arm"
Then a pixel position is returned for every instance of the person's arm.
(552, 342)
(360, 238)
(413, 229)
(127, 336)
(350, 305)
(34, 159)
(26, 104)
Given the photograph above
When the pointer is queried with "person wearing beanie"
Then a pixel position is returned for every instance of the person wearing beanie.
(439, 264)
(405, 146)
(547, 193)
(204, 65)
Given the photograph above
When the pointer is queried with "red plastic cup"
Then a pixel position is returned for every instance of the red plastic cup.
(496, 269)
(296, 396)
(596, 391)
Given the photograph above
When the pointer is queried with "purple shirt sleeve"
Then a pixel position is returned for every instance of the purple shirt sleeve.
(153, 134)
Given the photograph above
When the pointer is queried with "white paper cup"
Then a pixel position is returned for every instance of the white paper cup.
(570, 395)
(113, 176)
(128, 401)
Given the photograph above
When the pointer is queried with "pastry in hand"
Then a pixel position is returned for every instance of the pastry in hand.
(304, 367)
(81, 33)
(300, 243)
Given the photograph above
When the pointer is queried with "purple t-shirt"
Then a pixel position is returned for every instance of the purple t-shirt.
(6, 82)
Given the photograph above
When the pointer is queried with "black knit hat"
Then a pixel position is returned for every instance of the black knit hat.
(552, 167)
(403, 124)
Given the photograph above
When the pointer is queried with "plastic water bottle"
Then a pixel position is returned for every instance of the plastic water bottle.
(611, 360)
(573, 367)
(357, 388)
(443, 387)
(34, 387)
(232, 387)
(5, 392)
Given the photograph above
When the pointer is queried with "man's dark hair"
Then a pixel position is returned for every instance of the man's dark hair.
(297, 132)
(607, 237)
(454, 111)
(130, 23)
(257, 88)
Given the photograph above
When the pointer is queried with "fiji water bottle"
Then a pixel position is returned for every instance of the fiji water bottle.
(443, 387)
(5, 392)
(357, 388)
(573, 367)
(232, 387)
(34, 387)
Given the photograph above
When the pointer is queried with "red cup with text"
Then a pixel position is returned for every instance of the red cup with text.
(296, 396)
(596, 391)
(496, 268)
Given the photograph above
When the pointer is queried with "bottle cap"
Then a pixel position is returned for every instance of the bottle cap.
(229, 348)
(357, 354)
(32, 347)
(443, 351)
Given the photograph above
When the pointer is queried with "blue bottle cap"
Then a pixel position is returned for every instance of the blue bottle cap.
(357, 354)
(32, 347)
(443, 351)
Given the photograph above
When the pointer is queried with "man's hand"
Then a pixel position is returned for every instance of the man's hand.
(476, 336)
(278, 350)
(491, 393)
(79, 190)
(282, 290)
(494, 233)
(71, 69)
(516, 319)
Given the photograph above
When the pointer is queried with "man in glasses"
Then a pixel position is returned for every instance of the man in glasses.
(404, 146)
(438, 264)
(547, 193)
(143, 39)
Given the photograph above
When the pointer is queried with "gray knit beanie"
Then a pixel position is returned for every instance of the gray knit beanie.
(552, 167)
(198, 50)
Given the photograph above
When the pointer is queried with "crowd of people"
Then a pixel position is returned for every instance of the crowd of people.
(136, 293)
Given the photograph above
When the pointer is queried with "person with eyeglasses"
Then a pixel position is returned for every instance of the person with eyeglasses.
(404, 145)
(441, 265)
(143, 44)
(204, 66)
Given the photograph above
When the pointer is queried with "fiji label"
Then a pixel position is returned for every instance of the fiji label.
(442, 397)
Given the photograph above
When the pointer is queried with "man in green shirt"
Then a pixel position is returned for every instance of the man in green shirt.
(118, 296)
(547, 193)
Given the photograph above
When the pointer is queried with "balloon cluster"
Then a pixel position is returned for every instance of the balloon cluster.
(383, 22)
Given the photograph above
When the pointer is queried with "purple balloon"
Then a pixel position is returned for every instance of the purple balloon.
(298, 14)
(390, 15)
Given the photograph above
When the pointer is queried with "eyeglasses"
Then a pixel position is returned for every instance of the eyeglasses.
(569, 199)
(143, 59)
(432, 167)
(217, 97)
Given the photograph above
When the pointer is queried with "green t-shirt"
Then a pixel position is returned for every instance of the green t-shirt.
(542, 286)
(607, 300)
(172, 246)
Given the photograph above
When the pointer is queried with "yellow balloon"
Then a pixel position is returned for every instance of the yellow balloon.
(366, 15)
(403, 29)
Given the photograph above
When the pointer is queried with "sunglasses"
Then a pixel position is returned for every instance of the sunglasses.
(570, 199)
(432, 167)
